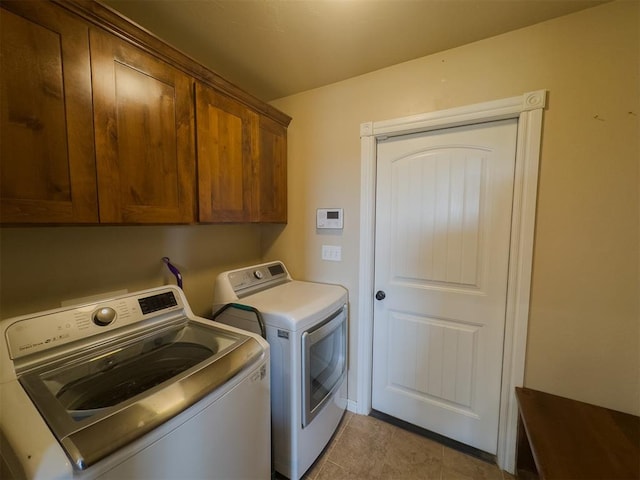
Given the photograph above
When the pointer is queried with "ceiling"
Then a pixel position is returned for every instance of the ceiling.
(276, 48)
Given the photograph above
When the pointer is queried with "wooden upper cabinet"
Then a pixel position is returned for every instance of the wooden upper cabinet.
(98, 125)
(47, 170)
(242, 162)
(270, 173)
(144, 134)
(224, 157)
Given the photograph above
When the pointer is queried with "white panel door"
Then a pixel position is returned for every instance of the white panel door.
(443, 222)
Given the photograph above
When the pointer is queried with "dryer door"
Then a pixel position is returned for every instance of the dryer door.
(324, 359)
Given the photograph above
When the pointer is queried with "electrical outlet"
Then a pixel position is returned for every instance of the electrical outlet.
(333, 253)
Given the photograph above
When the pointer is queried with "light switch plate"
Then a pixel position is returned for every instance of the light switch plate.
(333, 253)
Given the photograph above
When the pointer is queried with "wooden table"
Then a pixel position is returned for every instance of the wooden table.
(566, 439)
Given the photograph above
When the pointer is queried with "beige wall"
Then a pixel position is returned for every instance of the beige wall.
(584, 327)
(40, 267)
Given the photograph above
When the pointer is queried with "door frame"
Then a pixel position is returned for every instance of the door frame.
(528, 109)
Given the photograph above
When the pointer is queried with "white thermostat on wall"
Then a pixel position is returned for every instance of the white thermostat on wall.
(329, 218)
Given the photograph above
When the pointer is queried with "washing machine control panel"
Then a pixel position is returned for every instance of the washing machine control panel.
(58, 327)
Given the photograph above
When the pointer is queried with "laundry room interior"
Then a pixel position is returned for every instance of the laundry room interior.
(583, 325)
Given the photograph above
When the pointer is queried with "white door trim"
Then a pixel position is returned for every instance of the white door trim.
(528, 109)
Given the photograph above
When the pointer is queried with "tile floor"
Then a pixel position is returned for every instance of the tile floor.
(369, 449)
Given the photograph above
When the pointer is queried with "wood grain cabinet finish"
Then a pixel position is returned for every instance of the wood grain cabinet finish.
(224, 157)
(144, 130)
(242, 171)
(98, 125)
(47, 169)
(270, 173)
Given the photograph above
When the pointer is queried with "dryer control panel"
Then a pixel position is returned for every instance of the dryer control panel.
(257, 277)
(235, 284)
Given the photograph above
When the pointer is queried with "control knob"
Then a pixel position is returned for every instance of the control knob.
(104, 316)
(258, 274)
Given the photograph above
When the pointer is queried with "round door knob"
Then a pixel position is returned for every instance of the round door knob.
(380, 295)
(104, 316)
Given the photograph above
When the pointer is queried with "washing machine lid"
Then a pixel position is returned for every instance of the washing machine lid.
(297, 305)
(97, 404)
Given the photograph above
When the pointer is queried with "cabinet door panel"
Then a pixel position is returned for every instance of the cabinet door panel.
(47, 169)
(224, 157)
(270, 183)
(143, 111)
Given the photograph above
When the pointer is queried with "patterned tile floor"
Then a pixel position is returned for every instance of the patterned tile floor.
(368, 448)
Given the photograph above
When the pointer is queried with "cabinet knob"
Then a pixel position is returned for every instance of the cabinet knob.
(380, 295)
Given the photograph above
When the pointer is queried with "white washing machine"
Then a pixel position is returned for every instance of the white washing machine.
(306, 326)
(134, 386)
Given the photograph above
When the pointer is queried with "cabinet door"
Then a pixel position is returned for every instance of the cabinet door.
(224, 157)
(47, 164)
(144, 127)
(270, 180)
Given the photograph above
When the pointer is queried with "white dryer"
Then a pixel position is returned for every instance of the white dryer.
(306, 326)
